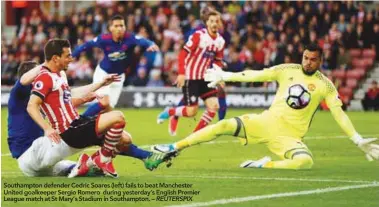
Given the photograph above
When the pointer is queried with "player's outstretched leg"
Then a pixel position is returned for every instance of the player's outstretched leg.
(151, 160)
(209, 133)
(298, 162)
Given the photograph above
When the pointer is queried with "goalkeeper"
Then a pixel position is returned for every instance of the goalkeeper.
(281, 127)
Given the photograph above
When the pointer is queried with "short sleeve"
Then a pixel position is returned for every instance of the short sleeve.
(42, 85)
(192, 42)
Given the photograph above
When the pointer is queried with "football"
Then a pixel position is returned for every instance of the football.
(298, 97)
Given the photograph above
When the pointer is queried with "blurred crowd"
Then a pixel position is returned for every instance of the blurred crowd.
(257, 34)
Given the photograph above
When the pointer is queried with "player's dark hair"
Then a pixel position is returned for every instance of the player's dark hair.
(55, 47)
(117, 17)
(314, 48)
(25, 67)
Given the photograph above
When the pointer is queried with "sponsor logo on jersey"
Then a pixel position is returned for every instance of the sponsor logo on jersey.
(117, 56)
(66, 96)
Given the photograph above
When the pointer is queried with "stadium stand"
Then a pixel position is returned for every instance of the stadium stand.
(257, 34)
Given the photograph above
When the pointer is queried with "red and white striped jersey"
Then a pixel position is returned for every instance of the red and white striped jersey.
(57, 105)
(202, 50)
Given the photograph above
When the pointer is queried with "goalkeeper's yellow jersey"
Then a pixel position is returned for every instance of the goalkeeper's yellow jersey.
(319, 86)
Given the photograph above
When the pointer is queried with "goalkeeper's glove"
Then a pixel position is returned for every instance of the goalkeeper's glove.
(367, 146)
(215, 75)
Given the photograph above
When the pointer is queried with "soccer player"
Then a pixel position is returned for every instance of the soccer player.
(283, 125)
(23, 132)
(35, 154)
(221, 95)
(118, 48)
(202, 48)
(52, 94)
(27, 138)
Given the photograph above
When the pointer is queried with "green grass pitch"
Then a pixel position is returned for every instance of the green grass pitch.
(341, 176)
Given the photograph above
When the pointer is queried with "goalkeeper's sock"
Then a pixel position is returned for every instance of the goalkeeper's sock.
(224, 127)
(223, 107)
(134, 151)
(93, 109)
(206, 118)
(178, 111)
(298, 162)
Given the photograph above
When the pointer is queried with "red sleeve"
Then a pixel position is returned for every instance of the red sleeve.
(181, 61)
(192, 42)
(42, 85)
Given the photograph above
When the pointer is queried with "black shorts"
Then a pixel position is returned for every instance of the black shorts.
(193, 89)
(82, 133)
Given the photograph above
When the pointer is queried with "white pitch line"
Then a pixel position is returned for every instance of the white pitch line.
(269, 178)
(232, 141)
(276, 195)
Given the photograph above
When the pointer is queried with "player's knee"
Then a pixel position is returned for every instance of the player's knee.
(119, 118)
(304, 161)
(226, 126)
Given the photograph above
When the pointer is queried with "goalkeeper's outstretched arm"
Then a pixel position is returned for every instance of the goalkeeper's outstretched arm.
(216, 75)
(366, 145)
(250, 76)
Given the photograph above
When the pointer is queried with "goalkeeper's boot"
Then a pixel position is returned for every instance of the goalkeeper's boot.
(173, 125)
(155, 159)
(255, 163)
(81, 168)
(163, 116)
(106, 167)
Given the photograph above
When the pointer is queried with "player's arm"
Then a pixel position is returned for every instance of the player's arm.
(366, 145)
(82, 100)
(188, 48)
(29, 76)
(42, 86)
(83, 91)
(86, 46)
(145, 43)
(216, 75)
(22, 86)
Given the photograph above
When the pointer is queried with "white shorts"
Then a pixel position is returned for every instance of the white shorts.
(45, 158)
(113, 90)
